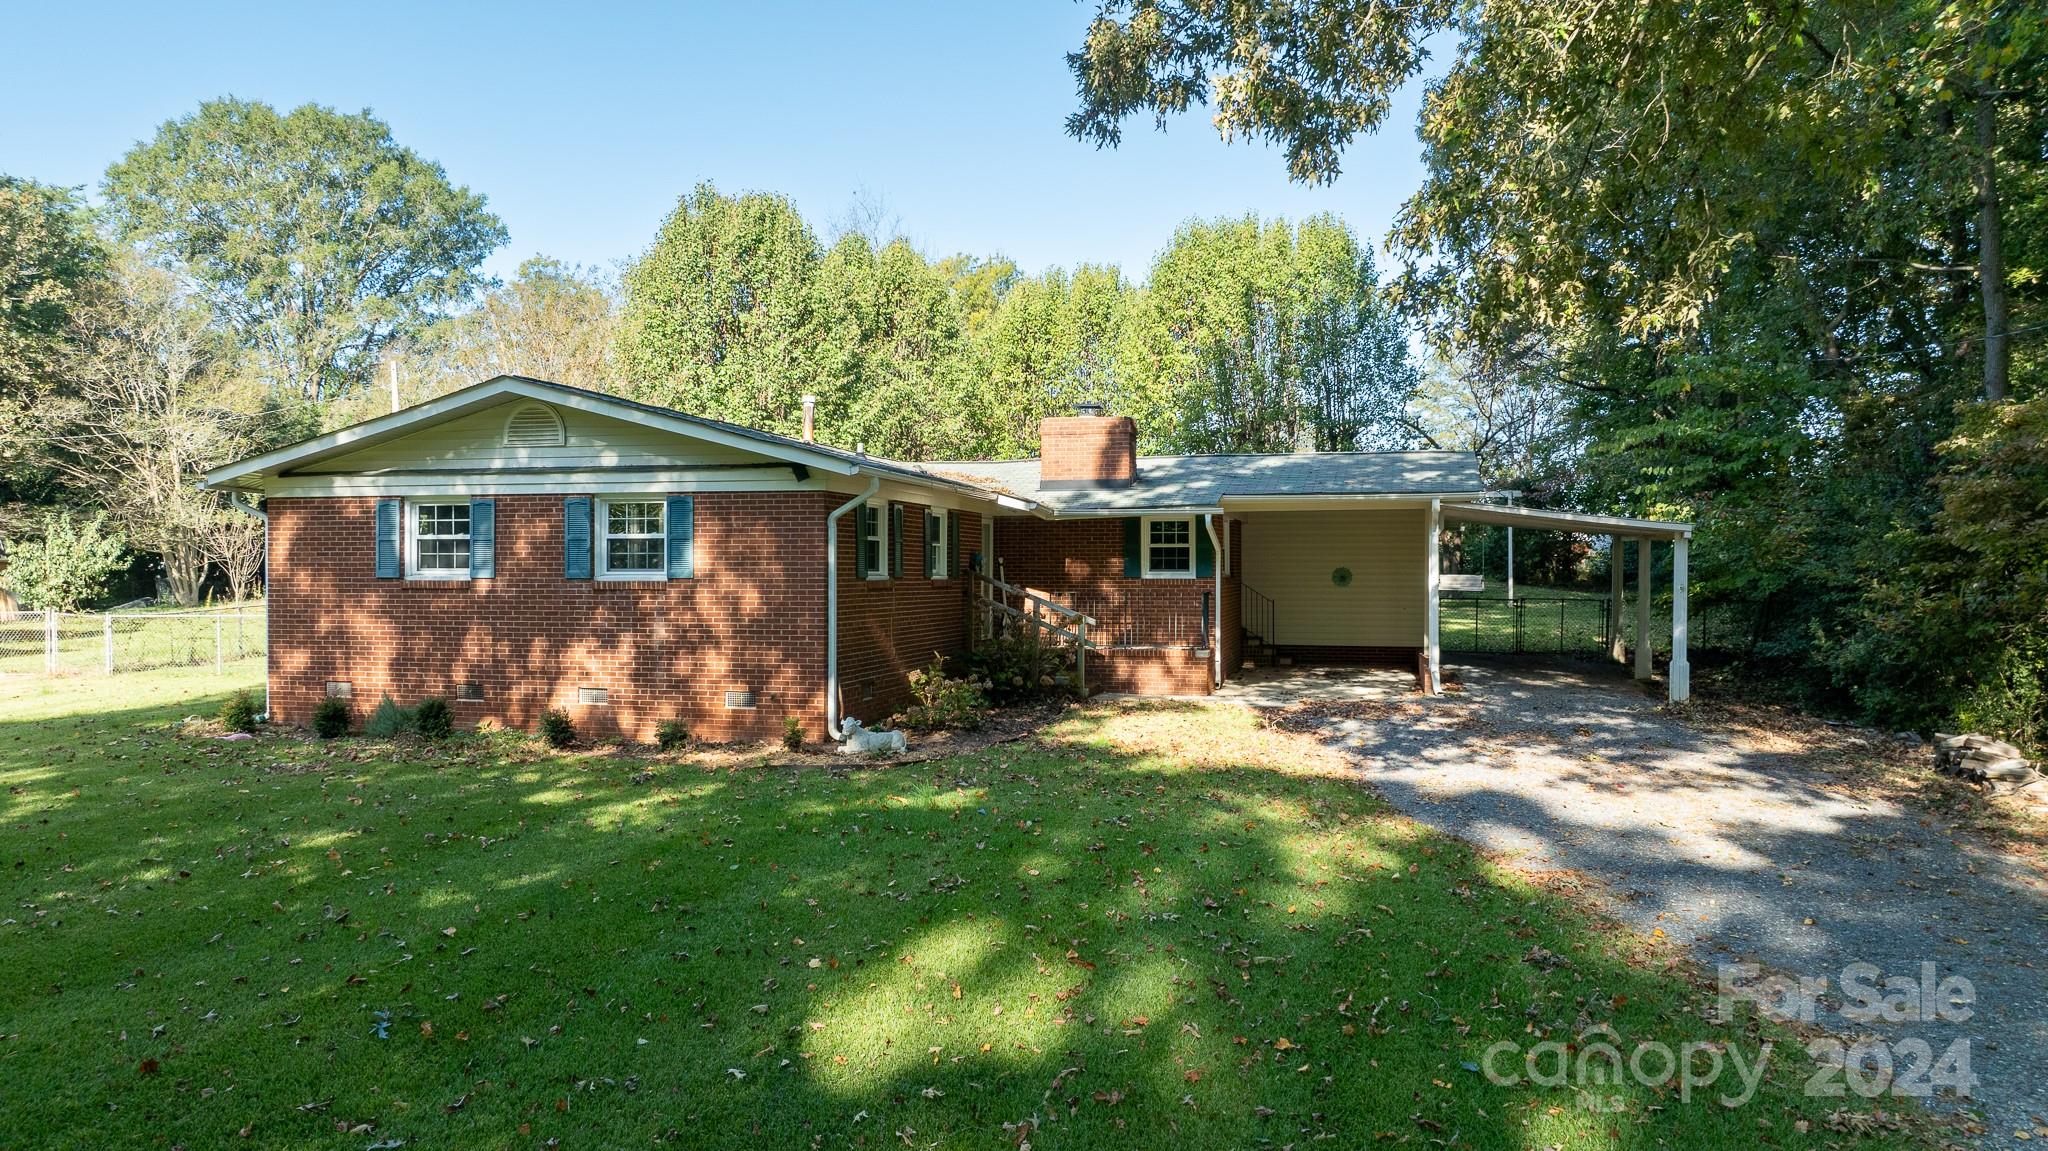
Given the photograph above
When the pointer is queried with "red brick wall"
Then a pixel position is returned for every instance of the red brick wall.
(888, 628)
(1087, 449)
(1154, 622)
(753, 618)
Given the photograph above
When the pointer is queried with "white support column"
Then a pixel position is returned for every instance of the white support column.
(1511, 563)
(1432, 567)
(1617, 647)
(1643, 644)
(1681, 667)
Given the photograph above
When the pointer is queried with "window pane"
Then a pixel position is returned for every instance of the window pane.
(443, 554)
(1172, 559)
(1170, 531)
(633, 519)
(444, 520)
(635, 555)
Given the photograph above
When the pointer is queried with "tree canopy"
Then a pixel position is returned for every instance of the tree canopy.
(317, 237)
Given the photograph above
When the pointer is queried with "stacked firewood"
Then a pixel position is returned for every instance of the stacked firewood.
(1981, 758)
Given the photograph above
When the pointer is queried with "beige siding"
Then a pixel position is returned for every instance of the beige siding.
(1290, 556)
(478, 440)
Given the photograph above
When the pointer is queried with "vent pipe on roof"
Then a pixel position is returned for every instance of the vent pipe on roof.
(1088, 408)
(810, 418)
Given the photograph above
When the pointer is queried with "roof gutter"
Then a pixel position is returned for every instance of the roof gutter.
(832, 725)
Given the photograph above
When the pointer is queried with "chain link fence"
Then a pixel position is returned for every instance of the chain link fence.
(74, 643)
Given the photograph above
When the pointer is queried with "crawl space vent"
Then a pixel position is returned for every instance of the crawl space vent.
(593, 695)
(340, 689)
(739, 699)
(469, 693)
(534, 426)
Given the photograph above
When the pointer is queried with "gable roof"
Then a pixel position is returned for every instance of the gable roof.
(246, 474)
(1165, 483)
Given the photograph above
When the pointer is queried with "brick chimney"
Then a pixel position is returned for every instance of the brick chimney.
(1087, 450)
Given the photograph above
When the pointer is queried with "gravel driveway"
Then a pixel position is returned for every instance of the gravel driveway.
(1747, 848)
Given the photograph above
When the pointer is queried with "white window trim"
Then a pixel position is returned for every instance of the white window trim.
(411, 519)
(881, 540)
(600, 530)
(1145, 547)
(945, 565)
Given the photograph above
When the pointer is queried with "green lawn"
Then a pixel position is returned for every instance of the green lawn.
(1153, 928)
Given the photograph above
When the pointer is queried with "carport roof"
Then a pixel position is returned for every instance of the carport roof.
(1582, 522)
(1209, 482)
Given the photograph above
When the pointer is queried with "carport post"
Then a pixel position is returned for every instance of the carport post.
(1643, 644)
(1681, 668)
(1433, 566)
(1617, 551)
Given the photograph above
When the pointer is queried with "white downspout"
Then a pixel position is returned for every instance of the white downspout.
(832, 605)
(235, 501)
(1216, 545)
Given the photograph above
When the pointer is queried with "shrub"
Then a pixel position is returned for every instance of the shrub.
(942, 702)
(432, 719)
(240, 711)
(331, 718)
(557, 728)
(672, 734)
(67, 566)
(388, 720)
(1019, 667)
(793, 733)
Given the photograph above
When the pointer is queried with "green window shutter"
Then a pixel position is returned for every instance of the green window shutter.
(953, 541)
(483, 539)
(1205, 552)
(1134, 554)
(390, 562)
(934, 544)
(896, 541)
(863, 547)
(576, 558)
(682, 537)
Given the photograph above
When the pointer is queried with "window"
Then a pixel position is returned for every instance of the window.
(1169, 548)
(938, 540)
(873, 560)
(440, 541)
(635, 540)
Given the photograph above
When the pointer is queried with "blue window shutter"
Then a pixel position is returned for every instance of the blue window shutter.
(1205, 552)
(576, 537)
(483, 539)
(1134, 558)
(682, 537)
(390, 562)
(896, 541)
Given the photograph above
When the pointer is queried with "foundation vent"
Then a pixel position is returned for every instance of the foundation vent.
(739, 699)
(593, 695)
(469, 693)
(340, 689)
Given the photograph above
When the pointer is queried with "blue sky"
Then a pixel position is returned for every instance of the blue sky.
(583, 123)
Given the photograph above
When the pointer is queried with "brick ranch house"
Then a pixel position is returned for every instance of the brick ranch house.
(520, 545)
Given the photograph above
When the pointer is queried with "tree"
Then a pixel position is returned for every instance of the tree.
(721, 314)
(892, 354)
(315, 236)
(1053, 341)
(153, 405)
(1269, 337)
(236, 541)
(68, 565)
(51, 264)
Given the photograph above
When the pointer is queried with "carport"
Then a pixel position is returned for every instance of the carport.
(1619, 531)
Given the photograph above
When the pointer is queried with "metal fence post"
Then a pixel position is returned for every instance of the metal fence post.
(108, 629)
(216, 641)
(50, 641)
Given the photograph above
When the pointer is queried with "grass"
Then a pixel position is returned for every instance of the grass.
(143, 638)
(1156, 926)
(1569, 621)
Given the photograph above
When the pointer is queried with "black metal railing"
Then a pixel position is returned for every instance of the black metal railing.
(1257, 613)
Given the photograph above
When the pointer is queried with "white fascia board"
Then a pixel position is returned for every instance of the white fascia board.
(486, 394)
(1327, 502)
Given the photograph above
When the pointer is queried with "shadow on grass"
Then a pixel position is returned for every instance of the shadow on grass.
(1126, 933)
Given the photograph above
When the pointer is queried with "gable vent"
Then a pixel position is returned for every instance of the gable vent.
(534, 426)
